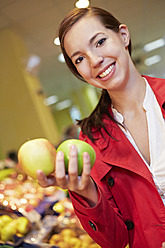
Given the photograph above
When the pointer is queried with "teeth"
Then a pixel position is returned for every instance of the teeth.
(105, 73)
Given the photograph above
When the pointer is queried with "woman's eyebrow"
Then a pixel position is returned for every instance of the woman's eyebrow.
(90, 42)
(74, 54)
(94, 37)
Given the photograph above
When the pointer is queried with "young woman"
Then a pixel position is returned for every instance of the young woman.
(120, 202)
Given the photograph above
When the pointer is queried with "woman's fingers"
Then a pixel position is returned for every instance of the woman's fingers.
(60, 171)
(73, 169)
(76, 183)
(85, 178)
(45, 181)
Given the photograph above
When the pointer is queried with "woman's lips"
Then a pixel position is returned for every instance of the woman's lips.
(107, 71)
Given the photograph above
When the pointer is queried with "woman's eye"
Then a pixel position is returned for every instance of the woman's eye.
(100, 42)
(79, 60)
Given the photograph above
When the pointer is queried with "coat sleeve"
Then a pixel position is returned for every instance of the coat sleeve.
(102, 222)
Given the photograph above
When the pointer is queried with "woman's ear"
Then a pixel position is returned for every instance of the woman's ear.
(124, 34)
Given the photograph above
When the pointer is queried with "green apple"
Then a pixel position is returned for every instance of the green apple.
(82, 147)
(37, 154)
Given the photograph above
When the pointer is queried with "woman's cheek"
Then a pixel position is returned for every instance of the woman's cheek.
(83, 71)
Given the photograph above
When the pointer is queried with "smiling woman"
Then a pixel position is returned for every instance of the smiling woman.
(93, 57)
(120, 201)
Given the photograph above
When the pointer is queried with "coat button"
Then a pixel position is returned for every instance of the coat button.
(163, 106)
(92, 225)
(129, 224)
(110, 181)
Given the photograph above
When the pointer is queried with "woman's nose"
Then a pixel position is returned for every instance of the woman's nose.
(95, 60)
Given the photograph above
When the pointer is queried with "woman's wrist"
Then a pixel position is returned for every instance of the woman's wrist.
(90, 194)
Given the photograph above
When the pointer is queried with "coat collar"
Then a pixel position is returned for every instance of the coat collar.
(120, 153)
(158, 87)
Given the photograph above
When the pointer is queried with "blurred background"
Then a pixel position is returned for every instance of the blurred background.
(39, 97)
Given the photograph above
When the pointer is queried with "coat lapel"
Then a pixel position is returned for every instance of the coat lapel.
(122, 154)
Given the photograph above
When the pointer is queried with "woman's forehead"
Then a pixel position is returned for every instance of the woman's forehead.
(82, 32)
(89, 20)
(85, 27)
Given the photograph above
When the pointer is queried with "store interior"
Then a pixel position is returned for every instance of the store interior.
(40, 98)
(39, 95)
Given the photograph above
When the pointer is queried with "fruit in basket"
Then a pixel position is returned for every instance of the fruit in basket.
(22, 225)
(94, 246)
(55, 238)
(68, 233)
(72, 238)
(8, 231)
(86, 239)
(37, 154)
(62, 244)
(4, 219)
(59, 208)
(75, 242)
(82, 147)
(13, 226)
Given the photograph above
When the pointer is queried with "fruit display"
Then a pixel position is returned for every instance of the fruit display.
(7, 168)
(12, 225)
(38, 236)
(25, 195)
(69, 232)
(6, 172)
(68, 238)
(82, 147)
(19, 194)
(65, 214)
(54, 234)
(37, 154)
(60, 229)
(41, 217)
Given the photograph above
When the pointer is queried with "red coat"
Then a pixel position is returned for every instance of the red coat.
(130, 209)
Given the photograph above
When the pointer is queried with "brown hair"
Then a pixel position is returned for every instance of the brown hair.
(110, 22)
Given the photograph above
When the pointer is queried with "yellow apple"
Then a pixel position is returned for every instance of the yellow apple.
(23, 225)
(4, 219)
(8, 231)
(37, 154)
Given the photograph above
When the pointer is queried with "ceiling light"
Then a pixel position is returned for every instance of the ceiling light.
(33, 61)
(154, 45)
(152, 60)
(82, 4)
(75, 113)
(57, 41)
(63, 104)
(50, 100)
(61, 58)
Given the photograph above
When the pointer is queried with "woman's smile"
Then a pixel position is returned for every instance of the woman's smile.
(105, 74)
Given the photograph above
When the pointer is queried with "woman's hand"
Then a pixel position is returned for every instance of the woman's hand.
(83, 185)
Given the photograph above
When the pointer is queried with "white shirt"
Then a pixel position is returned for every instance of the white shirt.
(156, 132)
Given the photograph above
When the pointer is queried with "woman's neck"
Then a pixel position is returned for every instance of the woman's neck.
(130, 99)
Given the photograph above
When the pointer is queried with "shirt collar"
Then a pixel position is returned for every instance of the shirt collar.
(148, 99)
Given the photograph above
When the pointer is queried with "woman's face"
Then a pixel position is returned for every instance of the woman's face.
(99, 54)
